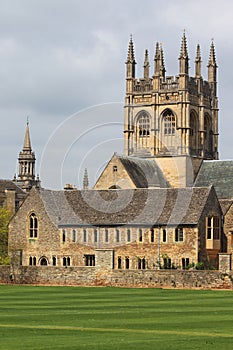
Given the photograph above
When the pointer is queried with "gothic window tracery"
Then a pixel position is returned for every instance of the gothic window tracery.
(144, 125)
(169, 123)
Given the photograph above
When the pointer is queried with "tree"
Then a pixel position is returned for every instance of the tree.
(5, 216)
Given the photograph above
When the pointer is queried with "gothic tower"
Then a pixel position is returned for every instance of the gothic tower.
(26, 165)
(167, 116)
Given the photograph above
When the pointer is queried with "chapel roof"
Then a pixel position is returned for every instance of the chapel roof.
(120, 207)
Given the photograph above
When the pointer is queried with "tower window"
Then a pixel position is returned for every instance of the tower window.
(114, 168)
(169, 123)
(144, 125)
(33, 226)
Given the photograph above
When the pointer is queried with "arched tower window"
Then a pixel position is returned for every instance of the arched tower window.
(143, 130)
(193, 134)
(208, 144)
(144, 125)
(33, 226)
(169, 122)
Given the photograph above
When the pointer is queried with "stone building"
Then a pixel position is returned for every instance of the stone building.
(166, 203)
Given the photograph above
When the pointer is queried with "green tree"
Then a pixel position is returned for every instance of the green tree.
(4, 221)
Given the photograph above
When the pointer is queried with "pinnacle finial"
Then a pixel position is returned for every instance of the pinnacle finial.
(146, 65)
(27, 141)
(184, 50)
(85, 180)
(130, 57)
(212, 58)
(198, 54)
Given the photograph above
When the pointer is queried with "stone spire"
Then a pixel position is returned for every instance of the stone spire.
(212, 69)
(198, 62)
(156, 60)
(85, 180)
(130, 62)
(183, 58)
(162, 65)
(146, 66)
(27, 141)
(26, 164)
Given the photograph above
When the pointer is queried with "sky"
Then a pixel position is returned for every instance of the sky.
(62, 66)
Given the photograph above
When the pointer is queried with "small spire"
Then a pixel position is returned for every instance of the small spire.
(212, 59)
(184, 50)
(159, 68)
(162, 66)
(131, 57)
(27, 141)
(146, 65)
(85, 180)
(198, 62)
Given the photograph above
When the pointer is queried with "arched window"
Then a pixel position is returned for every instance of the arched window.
(143, 125)
(193, 133)
(33, 226)
(32, 260)
(54, 261)
(66, 261)
(169, 122)
(208, 135)
(44, 261)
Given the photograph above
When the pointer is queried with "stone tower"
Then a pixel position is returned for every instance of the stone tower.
(26, 165)
(167, 116)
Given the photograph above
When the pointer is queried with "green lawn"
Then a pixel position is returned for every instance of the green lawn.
(67, 318)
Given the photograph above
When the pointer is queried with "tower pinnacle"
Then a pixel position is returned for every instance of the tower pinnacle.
(85, 180)
(198, 62)
(146, 66)
(130, 62)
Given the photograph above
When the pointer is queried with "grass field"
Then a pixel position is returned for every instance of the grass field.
(114, 318)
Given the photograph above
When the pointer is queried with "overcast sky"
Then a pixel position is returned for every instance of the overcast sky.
(62, 63)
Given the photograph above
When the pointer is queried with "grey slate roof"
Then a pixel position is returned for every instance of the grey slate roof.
(10, 185)
(144, 172)
(225, 205)
(219, 174)
(133, 207)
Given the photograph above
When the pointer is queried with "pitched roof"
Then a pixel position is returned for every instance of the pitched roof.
(219, 174)
(225, 205)
(144, 172)
(133, 207)
(8, 185)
